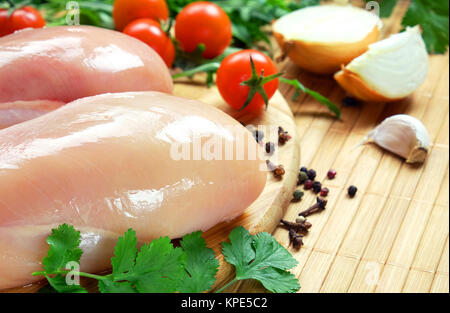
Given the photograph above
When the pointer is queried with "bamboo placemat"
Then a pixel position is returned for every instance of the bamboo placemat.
(394, 235)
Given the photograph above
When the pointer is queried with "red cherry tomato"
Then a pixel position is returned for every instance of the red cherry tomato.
(26, 17)
(235, 69)
(21, 18)
(150, 32)
(126, 11)
(203, 23)
(4, 23)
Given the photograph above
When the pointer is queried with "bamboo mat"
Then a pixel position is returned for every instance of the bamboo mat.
(394, 235)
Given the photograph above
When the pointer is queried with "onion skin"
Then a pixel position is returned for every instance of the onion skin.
(325, 58)
(356, 87)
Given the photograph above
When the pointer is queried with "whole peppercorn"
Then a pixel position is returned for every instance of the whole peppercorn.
(317, 186)
(352, 191)
(258, 135)
(298, 195)
(308, 184)
(303, 169)
(311, 174)
(331, 174)
(270, 148)
(302, 177)
(324, 192)
(350, 102)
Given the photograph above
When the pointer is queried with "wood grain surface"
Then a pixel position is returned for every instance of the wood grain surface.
(394, 235)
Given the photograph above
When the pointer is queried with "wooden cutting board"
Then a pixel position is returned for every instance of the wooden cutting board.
(265, 213)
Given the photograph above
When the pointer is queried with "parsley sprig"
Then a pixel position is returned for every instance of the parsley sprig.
(158, 266)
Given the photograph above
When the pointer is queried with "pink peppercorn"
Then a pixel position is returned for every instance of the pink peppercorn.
(308, 184)
(324, 192)
(331, 174)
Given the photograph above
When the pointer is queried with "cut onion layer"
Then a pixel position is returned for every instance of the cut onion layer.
(390, 70)
(322, 38)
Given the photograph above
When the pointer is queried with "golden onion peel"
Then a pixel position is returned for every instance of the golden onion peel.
(390, 70)
(322, 38)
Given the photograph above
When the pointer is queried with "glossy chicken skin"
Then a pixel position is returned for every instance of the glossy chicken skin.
(65, 63)
(106, 163)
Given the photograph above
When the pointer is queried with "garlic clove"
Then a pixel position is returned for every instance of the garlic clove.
(322, 38)
(390, 70)
(403, 135)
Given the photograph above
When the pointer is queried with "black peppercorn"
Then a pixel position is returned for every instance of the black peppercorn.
(303, 169)
(352, 191)
(349, 101)
(258, 135)
(316, 186)
(270, 148)
(311, 174)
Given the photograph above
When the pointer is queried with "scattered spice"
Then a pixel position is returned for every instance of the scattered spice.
(270, 148)
(352, 191)
(303, 226)
(350, 102)
(258, 135)
(302, 177)
(283, 136)
(277, 170)
(300, 219)
(296, 239)
(317, 207)
(298, 195)
(331, 174)
(324, 192)
(316, 187)
(308, 184)
(311, 174)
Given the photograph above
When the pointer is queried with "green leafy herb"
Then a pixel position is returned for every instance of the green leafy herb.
(201, 264)
(262, 258)
(158, 266)
(301, 88)
(432, 16)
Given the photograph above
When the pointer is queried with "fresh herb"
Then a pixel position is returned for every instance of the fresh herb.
(158, 266)
(321, 99)
(262, 258)
(431, 15)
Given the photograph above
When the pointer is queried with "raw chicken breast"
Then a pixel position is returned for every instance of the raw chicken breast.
(65, 63)
(109, 162)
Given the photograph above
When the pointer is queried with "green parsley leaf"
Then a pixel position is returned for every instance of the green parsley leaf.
(262, 258)
(124, 253)
(159, 267)
(64, 242)
(201, 264)
(109, 286)
(58, 282)
(432, 16)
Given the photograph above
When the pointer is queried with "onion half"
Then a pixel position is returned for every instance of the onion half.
(390, 70)
(322, 38)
